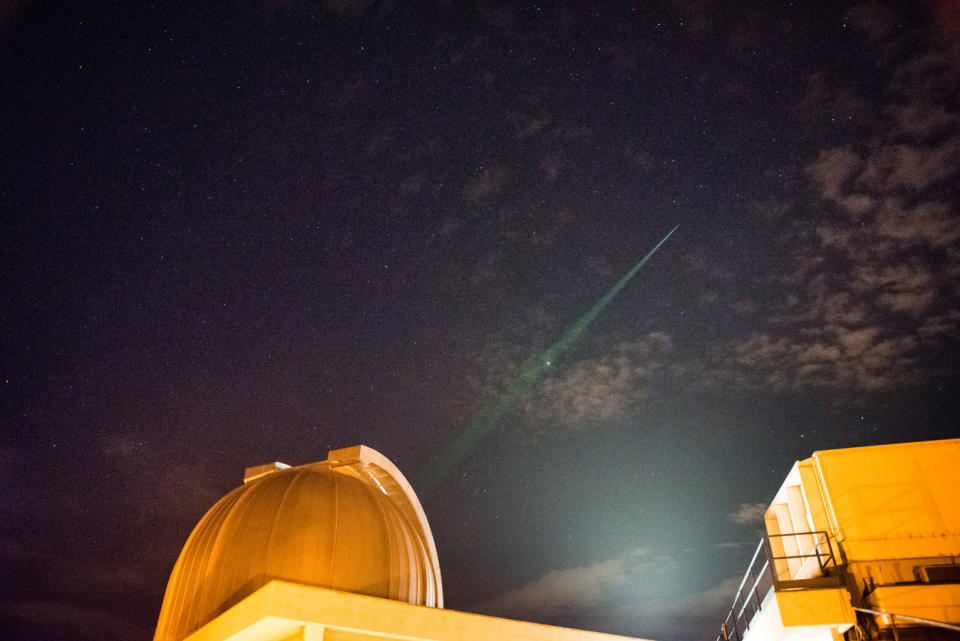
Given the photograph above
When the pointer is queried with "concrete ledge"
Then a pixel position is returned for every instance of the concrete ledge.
(280, 611)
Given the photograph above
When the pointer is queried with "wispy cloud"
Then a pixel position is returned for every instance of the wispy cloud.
(605, 387)
(587, 391)
(838, 358)
(581, 586)
(922, 120)
(897, 166)
(926, 223)
(832, 170)
(684, 615)
(486, 183)
(748, 513)
(880, 267)
(615, 595)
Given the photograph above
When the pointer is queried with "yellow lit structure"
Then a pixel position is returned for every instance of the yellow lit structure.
(338, 550)
(860, 542)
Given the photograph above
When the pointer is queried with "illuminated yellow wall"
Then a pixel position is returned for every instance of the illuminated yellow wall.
(894, 500)
(889, 511)
(287, 612)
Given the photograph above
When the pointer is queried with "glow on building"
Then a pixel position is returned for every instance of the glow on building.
(861, 543)
(338, 550)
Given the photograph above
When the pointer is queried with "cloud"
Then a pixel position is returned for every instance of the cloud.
(581, 586)
(619, 595)
(448, 228)
(828, 103)
(856, 204)
(748, 513)
(874, 284)
(744, 307)
(527, 125)
(833, 168)
(887, 168)
(552, 166)
(928, 78)
(575, 394)
(488, 182)
(922, 120)
(836, 358)
(603, 388)
(941, 325)
(856, 341)
(733, 545)
(681, 616)
(901, 288)
(713, 599)
(865, 282)
(903, 166)
(841, 308)
(932, 223)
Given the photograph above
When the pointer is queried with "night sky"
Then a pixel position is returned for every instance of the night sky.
(251, 231)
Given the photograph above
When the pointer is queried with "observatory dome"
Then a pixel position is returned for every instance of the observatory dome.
(350, 523)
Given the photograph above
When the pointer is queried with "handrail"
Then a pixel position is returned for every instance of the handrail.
(749, 565)
(824, 559)
(735, 614)
(738, 619)
(753, 590)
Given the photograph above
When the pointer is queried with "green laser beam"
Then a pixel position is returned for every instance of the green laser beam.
(439, 468)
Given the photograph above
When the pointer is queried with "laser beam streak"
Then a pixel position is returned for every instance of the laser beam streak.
(439, 468)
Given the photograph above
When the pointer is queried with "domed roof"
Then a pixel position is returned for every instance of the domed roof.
(349, 523)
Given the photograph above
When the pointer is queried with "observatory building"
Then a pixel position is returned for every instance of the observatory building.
(338, 550)
(861, 543)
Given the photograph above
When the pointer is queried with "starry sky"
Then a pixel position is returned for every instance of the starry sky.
(249, 231)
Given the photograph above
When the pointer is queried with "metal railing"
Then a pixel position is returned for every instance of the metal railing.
(820, 550)
(763, 575)
(748, 600)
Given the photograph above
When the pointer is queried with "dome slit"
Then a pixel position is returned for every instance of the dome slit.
(393, 581)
